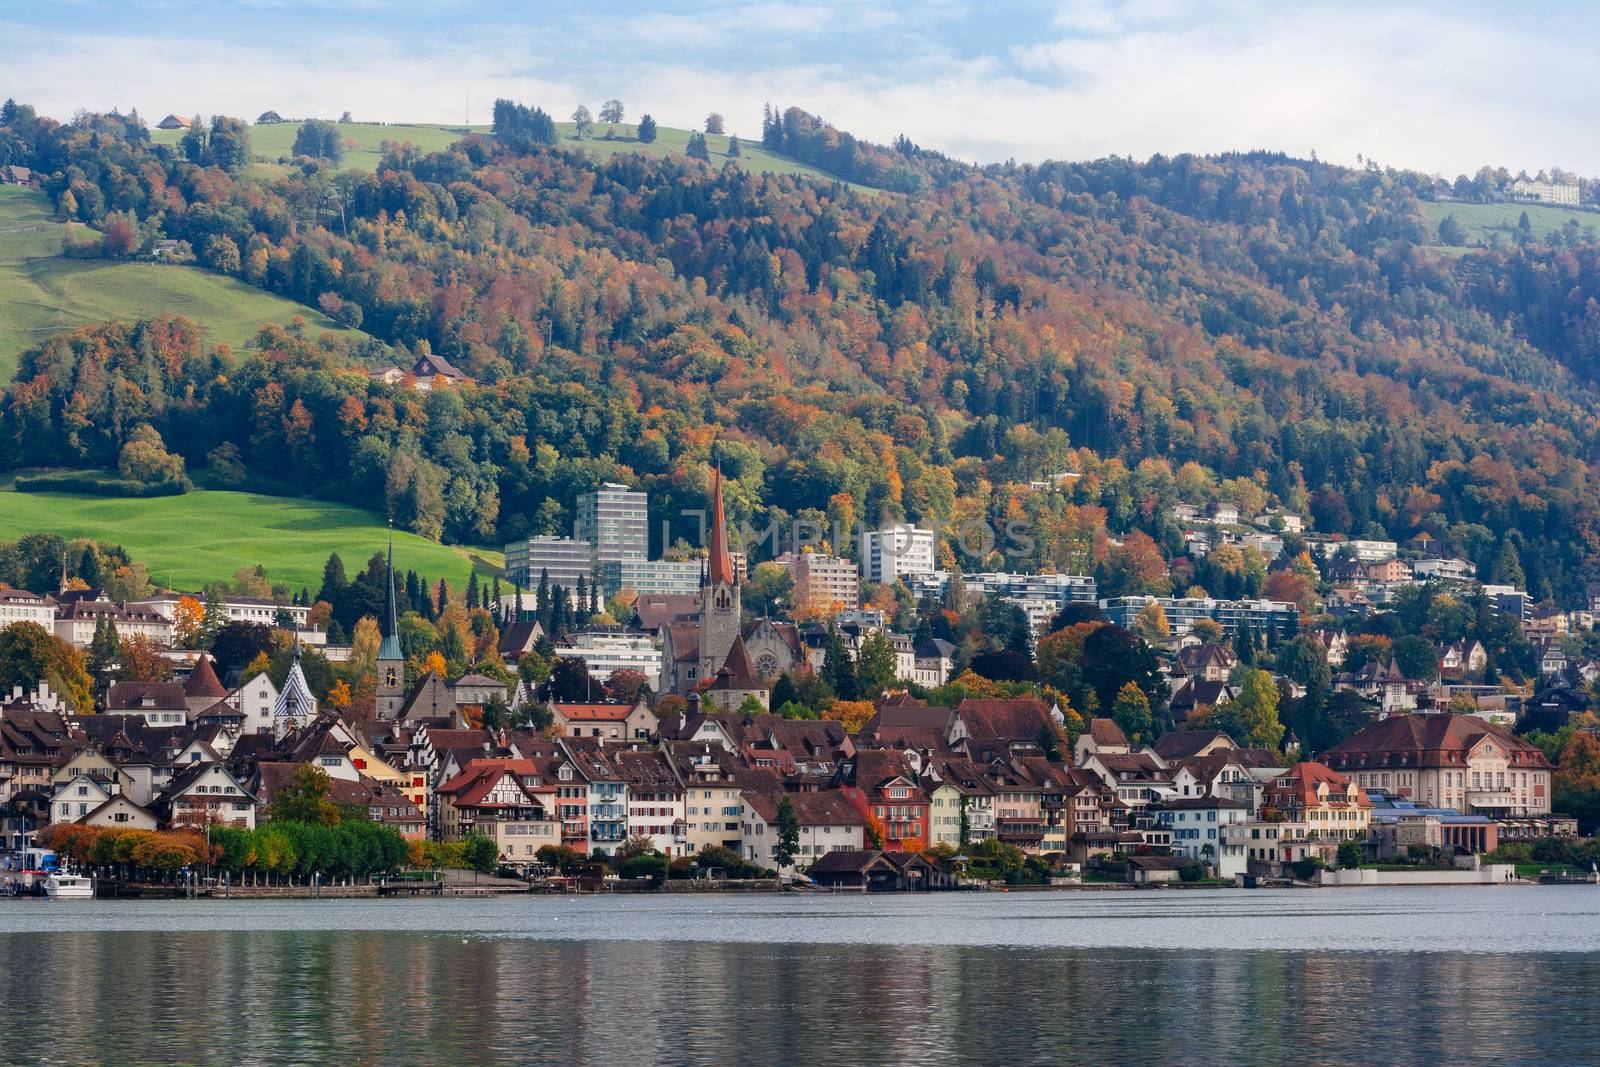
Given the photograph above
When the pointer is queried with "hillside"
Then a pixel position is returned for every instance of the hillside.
(1252, 328)
(203, 536)
(43, 293)
(273, 144)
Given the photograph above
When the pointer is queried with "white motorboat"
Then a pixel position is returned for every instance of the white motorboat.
(68, 887)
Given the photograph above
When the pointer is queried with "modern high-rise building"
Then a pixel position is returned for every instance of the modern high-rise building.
(614, 520)
(895, 552)
(562, 558)
(821, 580)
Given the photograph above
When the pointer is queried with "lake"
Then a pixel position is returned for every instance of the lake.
(1493, 974)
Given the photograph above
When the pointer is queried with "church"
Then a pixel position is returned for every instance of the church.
(719, 638)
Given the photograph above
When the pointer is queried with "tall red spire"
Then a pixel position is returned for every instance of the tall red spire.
(720, 569)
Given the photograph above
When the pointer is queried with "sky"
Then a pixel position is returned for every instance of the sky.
(1440, 87)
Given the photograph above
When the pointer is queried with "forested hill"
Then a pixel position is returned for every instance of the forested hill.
(1253, 329)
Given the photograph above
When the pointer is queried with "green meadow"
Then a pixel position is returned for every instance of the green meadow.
(208, 535)
(43, 293)
(273, 144)
(1483, 222)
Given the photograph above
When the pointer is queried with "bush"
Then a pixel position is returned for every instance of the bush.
(1350, 854)
(653, 867)
(92, 484)
(1306, 869)
(1192, 871)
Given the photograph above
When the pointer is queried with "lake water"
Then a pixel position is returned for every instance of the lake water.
(1494, 974)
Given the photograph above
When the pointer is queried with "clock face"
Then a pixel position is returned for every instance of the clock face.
(391, 677)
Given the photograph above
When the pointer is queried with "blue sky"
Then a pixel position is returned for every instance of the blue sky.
(1442, 87)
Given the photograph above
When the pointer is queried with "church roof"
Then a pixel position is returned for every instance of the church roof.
(720, 562)
(739, 672)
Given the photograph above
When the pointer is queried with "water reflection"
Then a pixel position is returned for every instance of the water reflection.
(374, 997)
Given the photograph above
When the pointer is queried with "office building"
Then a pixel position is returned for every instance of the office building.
(564, 559)
(614, 521)
(1279, 616)
(651, 576)
(823, 581)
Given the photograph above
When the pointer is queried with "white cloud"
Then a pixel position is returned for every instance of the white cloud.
(1441, 89)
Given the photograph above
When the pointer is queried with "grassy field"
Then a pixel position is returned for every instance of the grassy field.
(273, 143)
(206, 535)
(42, 293)
(1482, 221)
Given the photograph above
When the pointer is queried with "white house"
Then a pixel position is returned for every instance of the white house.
(19, 605)
(1197, 830)
(76, 798)
(207, 792)
(828, 822)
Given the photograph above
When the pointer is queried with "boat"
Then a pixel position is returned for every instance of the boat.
(68, 887)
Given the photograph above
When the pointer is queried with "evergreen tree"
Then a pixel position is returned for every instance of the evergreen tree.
(733, 147)
(89, 567)
(838, 670)
(472, 589)
(103, 651)
(697, 148)
(443, 596)
(646, 131)
(334, 581)
(787, 827)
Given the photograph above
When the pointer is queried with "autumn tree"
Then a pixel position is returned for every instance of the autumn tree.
(1151, 624)
(1251, 718)
(188, 622)
(853, 714)
(1131, 712)
(30, 654)
(611, 111)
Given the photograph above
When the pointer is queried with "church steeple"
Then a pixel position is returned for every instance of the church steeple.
(719, 561)
(390, 690)
(720, 620)
(390, 648)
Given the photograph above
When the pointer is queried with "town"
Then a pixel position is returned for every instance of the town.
(769, 726)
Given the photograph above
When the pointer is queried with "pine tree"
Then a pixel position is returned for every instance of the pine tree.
(697, 148)
(646, 131)
(733, 146)
(334, 581)
(472, 590)
(89, 567)
(838, 670)
(443, 597)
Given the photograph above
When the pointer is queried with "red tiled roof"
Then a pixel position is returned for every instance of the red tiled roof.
(1428, 741)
